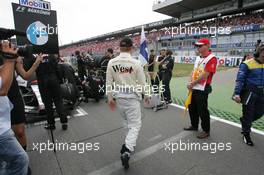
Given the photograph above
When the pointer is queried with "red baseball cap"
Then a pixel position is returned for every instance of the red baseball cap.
(202, 41)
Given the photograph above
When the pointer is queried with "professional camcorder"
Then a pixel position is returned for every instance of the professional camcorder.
(24, 51)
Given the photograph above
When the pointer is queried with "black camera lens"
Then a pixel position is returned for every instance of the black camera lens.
(25, 51)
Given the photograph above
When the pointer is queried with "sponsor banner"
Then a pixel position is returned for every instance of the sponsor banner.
(229, 61)
(37, 4)
(222, 61)
(235, 45)
(165, 37)
(252, 27)
(185, 59)
(40, 27)
(158, 23)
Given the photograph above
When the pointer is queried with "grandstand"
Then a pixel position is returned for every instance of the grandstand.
(243, 18)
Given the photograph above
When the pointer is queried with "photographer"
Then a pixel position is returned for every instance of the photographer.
(81, 65)
(49, 87)
(66, 72)
(11, 151)
(167, 67)
(104, 61)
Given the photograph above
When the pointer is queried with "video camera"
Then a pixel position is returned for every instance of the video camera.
(24, 51)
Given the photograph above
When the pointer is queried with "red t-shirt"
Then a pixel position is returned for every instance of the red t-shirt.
(211, 67)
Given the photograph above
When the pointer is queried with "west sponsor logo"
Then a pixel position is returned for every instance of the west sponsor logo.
(122, 69)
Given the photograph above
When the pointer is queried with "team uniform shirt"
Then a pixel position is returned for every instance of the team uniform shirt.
(125, 77)
(250, 76)
(206, 64)
(5, 109)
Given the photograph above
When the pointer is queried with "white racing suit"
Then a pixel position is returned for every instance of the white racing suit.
(125, 80)
(131, 114)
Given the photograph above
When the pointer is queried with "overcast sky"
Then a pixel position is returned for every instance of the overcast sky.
(80, 19)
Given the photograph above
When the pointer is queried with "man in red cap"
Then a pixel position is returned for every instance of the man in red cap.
(200, 85)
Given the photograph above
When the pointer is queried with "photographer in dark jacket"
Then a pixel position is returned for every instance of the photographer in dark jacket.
(167, 68)
(49, 87)
(151, 63)
(66, 72)
(81, 65)
(104, 61)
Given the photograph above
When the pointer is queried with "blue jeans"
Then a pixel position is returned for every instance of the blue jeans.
(13, 159)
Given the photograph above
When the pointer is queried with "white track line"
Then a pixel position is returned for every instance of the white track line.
(224, 121)
(81, 112)
(155, 138)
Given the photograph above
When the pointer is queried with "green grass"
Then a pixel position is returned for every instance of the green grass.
(183, 70)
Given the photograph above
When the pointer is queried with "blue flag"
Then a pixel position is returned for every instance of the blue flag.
(143, 54)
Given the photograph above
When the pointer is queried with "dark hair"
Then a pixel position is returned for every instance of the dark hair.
(168, 52)
(77, 52)
(126, 42)
(110, 50)
(259, 50)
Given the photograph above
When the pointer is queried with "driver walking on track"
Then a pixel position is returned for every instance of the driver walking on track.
(123, 75)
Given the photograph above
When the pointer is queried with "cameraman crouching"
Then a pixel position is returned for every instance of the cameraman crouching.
(11, 151)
